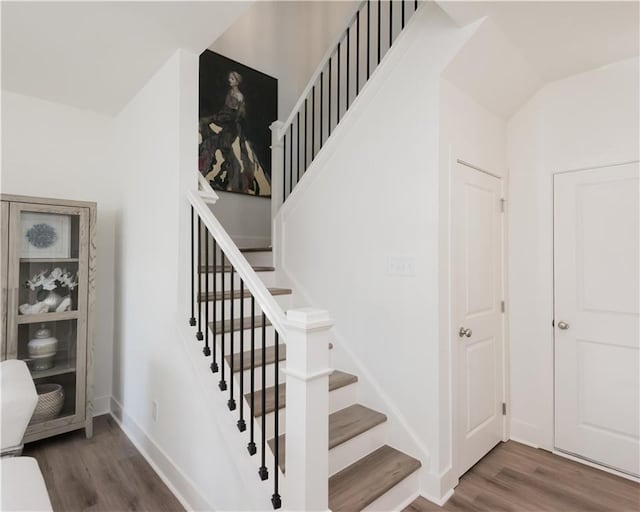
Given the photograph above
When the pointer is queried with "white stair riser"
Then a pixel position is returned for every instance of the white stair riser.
(269, 339)
(338, 399)
(270, 377)
(268, 278)
(355, 449)
(399, 496)
(263, 259)
(283, 300)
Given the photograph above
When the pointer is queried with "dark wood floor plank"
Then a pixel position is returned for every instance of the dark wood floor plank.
(102, 474)
(517, 478)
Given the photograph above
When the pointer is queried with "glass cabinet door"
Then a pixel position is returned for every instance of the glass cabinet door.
(46, 317)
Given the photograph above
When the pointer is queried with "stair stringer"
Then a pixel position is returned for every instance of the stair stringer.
(433, 39)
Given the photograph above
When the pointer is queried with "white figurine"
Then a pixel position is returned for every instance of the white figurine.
(33, 309)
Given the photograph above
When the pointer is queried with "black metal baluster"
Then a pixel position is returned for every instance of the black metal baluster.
(329, 100)
(275, 499)
(192, 320)
(358, 52)
(284, 169)
(251, 447)
(313, 122)
(263, 472)
(391, 22)
(223, 383)
(321, 104)
(290, 157)
(306, 142)
(214, 364)
(298, 144)
(348, 59)
(368, 38)
(231, 403)
(403, 2)
(199, 333)
(206, 350)
(415, 7)
(338, 84)
(379, 29)
(242, 426)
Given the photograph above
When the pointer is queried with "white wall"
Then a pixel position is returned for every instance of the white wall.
(156, 149)
(472, 133)
(285, 40)
(51, 150)
(372, 193)
(584, 121)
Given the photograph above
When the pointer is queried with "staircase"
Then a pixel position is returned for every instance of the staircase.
(300, 417)
(363, 469)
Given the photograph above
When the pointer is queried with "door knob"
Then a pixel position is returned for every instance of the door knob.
(563, 325)
(465, 332)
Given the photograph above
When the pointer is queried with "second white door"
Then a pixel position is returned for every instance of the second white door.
(476, 313)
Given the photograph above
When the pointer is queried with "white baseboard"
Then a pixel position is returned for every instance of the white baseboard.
(526, 433)
(178, 483)
(101, 405)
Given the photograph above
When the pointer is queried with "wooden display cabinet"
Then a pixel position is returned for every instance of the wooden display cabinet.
(39, 235)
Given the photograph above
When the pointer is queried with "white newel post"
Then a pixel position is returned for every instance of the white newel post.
(277, 167)
(307, 411)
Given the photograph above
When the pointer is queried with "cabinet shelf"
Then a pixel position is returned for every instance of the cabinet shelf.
(59, 369)
(47, 317)
(49, 260)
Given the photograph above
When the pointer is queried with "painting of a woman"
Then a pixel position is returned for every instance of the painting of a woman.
(231, 136)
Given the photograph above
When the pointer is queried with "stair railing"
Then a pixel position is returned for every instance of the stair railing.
(213, 254)
(333, 87)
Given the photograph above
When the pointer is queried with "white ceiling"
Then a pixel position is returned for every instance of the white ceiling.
(97, 55)
(524, 45)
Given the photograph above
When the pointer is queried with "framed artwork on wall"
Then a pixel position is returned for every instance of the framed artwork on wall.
(237, 105)
(45, 235)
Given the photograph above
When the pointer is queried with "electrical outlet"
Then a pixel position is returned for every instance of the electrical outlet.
(154, 410)
(401, 266)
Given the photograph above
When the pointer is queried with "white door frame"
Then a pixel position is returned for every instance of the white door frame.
(452, 335)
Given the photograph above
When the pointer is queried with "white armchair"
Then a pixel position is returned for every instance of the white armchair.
(22, 486)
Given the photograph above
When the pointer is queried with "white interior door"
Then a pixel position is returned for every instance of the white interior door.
(597, 337)
(476, 313)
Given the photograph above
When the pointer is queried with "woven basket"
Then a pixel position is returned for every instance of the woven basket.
(50, 401)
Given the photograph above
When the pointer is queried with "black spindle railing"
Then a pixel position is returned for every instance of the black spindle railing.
(206, 350)
(275, 499)
(214, 293)
(214, 363)
(347, 69)
(221, 295)
(199, 333)
(192, 320)
(263, 472)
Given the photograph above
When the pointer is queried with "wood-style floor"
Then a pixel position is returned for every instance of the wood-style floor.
(514, 478)
(105, 473)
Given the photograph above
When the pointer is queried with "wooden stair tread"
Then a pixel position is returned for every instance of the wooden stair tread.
(256, 249)
(344, 425)
(337, 380)
(367, 479)
(270, 357)
(227, 268)
(238, 295)
(257, 322)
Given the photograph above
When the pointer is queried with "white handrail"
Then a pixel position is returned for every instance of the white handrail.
(206, 191)
(265, 300)
(316, 73)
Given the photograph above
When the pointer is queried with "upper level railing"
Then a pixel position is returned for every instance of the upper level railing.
(338, 80)
(224, 284)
